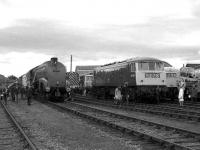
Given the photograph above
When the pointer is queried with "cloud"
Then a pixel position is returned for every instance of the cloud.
(18, 63)
(159, 37)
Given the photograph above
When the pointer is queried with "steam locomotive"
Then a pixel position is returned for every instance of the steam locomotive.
(47, 79)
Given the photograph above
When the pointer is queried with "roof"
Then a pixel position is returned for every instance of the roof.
(142, 59)
(195, 66)
(83, 70)
(166, 64)
(139, 59)
(86, 67)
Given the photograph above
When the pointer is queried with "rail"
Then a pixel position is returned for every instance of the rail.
(30, 143)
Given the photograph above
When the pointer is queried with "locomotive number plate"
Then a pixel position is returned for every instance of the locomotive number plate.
(152, 75)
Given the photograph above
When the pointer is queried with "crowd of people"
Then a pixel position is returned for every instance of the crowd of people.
(15, 93)
(122, 94)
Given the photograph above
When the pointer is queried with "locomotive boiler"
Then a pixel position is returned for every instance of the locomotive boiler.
(47, 79)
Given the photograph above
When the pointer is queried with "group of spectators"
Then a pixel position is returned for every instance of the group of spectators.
(14, 92)
(122, 94)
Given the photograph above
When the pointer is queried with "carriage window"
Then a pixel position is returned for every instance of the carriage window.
(143, 66)
(151, 66)
(132, 67)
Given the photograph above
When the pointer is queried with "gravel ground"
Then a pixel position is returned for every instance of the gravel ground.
(55, 130)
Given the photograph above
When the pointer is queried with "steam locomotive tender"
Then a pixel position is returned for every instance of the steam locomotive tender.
(47, 79)
(143, 75)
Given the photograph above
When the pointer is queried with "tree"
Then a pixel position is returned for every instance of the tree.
(12, 77)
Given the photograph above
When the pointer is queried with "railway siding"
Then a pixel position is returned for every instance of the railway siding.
(135, 128)
(171, 122)
(53, 129)
(147, 119)
(12, 136)
(118, 122)
(156, 110)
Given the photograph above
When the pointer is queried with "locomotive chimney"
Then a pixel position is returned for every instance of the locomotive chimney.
(54, 60)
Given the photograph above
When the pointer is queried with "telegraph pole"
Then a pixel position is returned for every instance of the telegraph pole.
(71, 64)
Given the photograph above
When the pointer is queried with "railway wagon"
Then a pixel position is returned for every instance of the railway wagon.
(172, 83)
(48, 79)
(142, 74)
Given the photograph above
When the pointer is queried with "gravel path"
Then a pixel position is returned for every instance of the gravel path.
(54, 130)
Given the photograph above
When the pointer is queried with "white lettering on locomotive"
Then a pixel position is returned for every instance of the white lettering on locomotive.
(152, 75)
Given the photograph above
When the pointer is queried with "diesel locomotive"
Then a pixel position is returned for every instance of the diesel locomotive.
(47, 79)
(142, 74)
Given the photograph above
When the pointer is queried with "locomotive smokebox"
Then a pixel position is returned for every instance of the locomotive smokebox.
(54, 60)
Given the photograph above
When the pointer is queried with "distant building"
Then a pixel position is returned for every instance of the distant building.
(85, 70)
(85, 75)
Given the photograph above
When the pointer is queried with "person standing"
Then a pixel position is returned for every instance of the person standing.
(21, 92)
(12, 93)
(181, 96)
(84, 92)
(5, 96)
(125, 93)
(158, 90)
(29, 95)
(118, 96)
(194, 93)
(16, 93)
(1, 92)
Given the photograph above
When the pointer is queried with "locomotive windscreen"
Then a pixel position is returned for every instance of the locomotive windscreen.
(150, 66)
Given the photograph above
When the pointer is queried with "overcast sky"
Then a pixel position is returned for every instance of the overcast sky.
(97, 32)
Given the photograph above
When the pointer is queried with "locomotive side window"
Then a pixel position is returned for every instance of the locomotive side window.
(133, 67)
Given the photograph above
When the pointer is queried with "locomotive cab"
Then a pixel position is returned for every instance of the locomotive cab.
(150, 73)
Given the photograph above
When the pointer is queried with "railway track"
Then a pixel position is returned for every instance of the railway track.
(187, 105)
(169, 111)
(12, 136)
(168, 137)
